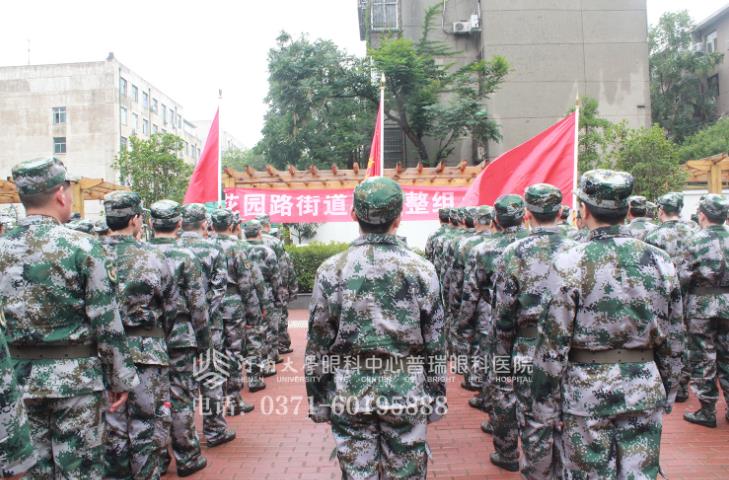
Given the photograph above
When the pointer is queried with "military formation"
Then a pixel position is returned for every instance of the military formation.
(113, 334)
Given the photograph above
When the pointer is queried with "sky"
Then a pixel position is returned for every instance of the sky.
(190, 49)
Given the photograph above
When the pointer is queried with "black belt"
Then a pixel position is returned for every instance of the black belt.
(709, 290)
(52, 352)
(528, 331)
(155, 332)
(616, 355)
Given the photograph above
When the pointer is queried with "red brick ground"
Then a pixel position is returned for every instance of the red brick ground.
(288, 446)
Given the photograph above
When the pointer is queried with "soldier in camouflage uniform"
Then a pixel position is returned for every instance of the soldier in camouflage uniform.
(430, 244)
(16, 450)
(264, 343)
(564, 221)
(62, 327)
(441, 263)
(671, 237)
(240, 306)
(608, 353)
(83, 225)
(215, 273)
(188, 338)
(703, 273)
(377, 308)
(519, 286)
(640, 224)
(147, 298)
(101, 229)
(581, 232)
(474, 317)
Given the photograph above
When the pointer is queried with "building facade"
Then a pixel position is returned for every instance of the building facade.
(556, 49)
(84, 113)
(712, 35)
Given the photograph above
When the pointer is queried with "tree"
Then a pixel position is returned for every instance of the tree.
(302, 231)
(652, 158)
(152, 168)
(315, 115)
(239, 158)
(682, 102)
(598, 137)
(432, 99)
(710, 141)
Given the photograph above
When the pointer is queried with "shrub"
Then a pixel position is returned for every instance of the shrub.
(307, 258)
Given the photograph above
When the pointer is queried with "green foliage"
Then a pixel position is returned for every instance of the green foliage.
(710, 141)
(653, 160)
(316, 115)
(681, 101)
(239, 158)
(302, 231)
(152, 168)
(308, 258)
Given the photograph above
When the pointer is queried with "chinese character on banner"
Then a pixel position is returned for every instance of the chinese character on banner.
(308, 205)
(281, 205)
(416, 203)
(335, 205)
(443, 200)
(254, 204)
(231, 200)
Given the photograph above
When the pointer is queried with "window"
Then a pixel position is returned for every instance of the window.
(145, 127)
(713, 85)
(135, 93)
(123, 115)
(154, 105)
(59, 115)
(155, 128)
(59, 144)
(135, 120)
(179, 121)
(385, 15)
(164, 114)
(122, 87)
(187, 149)
(123, 143)
(711, 42)
(145, 100)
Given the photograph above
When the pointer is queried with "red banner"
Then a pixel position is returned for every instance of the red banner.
(333, 205)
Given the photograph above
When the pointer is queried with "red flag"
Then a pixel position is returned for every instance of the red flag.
(547, 158)
(374, 166)
(203, 185)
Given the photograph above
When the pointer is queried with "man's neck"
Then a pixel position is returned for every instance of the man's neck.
(45, 213)
(125, 232)
(165, 234)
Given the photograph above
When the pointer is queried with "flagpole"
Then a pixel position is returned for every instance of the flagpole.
(575, 173)
(220, 150)
(381, 126)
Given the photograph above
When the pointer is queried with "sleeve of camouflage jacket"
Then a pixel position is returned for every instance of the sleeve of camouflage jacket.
(293, 283)
(16, 449)
(260, 285)
(218, 284)
(432, 325)
(506, 303)
(170, 296)
(472, 278)
(247, 290)
(275, 278)
(688, 265)
(102, 310)
(669, 351)
(194, 292)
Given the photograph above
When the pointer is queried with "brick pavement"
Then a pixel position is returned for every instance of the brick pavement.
(278, 442)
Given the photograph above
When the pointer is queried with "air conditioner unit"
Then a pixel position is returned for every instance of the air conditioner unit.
(462, 28)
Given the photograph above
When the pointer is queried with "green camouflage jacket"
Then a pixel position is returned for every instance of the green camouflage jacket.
(457, 270)
(265, 259)
(706, 264)
(192, 324)
(241, 297)
(377, 299)
(292, 283)
(640, 227)
(283, 266)
(612, 292)
(439, 248)
(578, 235)
(671, 237)
(147, 295)
(215, 272)
(432, 241)
(55, 290)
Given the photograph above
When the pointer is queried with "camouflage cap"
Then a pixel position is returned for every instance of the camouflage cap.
(651, 208)
(378, 200)
(222, 218)
(264, 219)
(122, 204)
(672, 202)
(39, 175)
(608, 189)
(565, 213)
(193, 213)
(484, 215)
(543, 198)
(714, 205)
(509, 207)
(100, 226)
(444, 214)
(637, 201)
(84, 225)
(252, 228)
(470, 213)
(165, 214)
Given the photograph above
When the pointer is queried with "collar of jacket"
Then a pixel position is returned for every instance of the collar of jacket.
(546, 230)
(375, 238)
(190, 235)
(514, 229)
(607, 232)
(37, 220)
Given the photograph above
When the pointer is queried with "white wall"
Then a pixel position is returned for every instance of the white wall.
(416, 232)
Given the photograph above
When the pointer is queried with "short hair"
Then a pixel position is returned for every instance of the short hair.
(189, 227)
(712, 218)
(638, 211)
(38, 200)
(221, 228)
(609, 216)
(119, 223)
(470, 223)
(381, 228)
(166, 228)
(509, 222)
(546, 217)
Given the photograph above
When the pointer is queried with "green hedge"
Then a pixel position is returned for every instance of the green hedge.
(307, 259)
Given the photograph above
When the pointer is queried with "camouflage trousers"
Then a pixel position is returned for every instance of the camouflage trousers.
(256, 349)
(184, 438)
(272, 328)
(213, 398)
(625, 446)
(284, 339)
(235, 345)
(709, 353)
(67, 434)
(381, 446)
(138, 432)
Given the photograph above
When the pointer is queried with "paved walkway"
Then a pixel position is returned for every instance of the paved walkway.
(277, 441)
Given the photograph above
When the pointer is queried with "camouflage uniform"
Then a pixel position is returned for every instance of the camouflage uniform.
(430, 244)
(147, 298)
(83, 225)
(56, 295)
(615, 307)
(641, 225)
(292, 290)
(377, 308)
(519, 286)
(240, 304)
(16, 451)
(215, 273)
(564, 221)
(279, 319)
(189, 336)
(704, 276)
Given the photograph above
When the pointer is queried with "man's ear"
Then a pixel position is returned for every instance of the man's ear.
(354, 217)
(61, 196)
